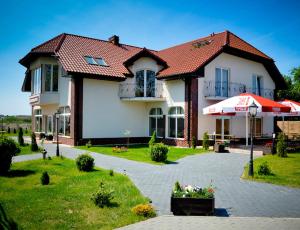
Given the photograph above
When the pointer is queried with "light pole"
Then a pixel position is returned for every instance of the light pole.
(253, 111)
(57, 143)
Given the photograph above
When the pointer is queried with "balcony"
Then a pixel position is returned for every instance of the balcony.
(44, 98)
(222, 90)
(135, 92)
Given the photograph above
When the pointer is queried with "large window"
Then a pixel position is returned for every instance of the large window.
(64, 121)
(50, 124)
(221, 82)
(51, 78)
(36, 80)
(156, 122)
(38, 120)
(176, 122)
(145, 83)
(257, 85)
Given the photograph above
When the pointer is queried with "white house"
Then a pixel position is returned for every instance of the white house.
(102, 88)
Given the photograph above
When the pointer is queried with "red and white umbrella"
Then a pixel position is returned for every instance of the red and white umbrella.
(239, 106)
(295, 107)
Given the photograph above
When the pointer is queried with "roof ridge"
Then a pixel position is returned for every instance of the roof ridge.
(102, 40)
(249, 45)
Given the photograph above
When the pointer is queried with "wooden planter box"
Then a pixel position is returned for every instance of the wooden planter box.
(193, 206)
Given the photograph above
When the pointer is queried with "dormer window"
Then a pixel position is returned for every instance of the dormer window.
(95, 61)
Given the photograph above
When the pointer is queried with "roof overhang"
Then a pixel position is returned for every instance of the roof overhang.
(31, 56)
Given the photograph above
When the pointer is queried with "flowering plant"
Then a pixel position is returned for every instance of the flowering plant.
(189, 191)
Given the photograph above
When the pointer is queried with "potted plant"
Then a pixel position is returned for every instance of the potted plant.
(189, 200)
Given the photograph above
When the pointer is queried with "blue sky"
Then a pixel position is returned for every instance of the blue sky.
(271, 26)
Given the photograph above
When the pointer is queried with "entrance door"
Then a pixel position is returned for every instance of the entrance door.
(225, 125)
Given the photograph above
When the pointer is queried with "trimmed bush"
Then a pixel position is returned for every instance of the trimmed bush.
(20, 137)
(6, 222)
(34, 146)
(8, 130)
(111, 172)
(145, 210)
(8, 149)
(89, 144)
(205, 143)
(85, 162)
(15, 131)
(281, 146)
(45, 179)
(26, 130)
(159, 152)
(194, 142)
(264, 169)
(103, 196)
(152, 140)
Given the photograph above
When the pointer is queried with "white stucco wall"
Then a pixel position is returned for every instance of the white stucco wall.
(240, 71)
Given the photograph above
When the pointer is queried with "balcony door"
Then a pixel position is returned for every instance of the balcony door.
(145, 83)
(221, 82)
(257, 85)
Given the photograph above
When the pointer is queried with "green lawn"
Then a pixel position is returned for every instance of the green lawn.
(26, 150)
(286, 170)
(65, 203)
(11, 134)
(141, 152)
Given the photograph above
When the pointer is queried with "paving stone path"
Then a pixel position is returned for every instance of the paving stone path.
(234, 196)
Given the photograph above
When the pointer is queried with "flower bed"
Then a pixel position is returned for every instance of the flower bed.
(189, 200)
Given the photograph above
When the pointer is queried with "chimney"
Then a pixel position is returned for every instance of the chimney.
(114, 40)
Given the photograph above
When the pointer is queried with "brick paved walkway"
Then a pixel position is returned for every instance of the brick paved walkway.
(234, 197)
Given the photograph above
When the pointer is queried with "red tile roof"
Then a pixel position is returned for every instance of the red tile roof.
(181, 59)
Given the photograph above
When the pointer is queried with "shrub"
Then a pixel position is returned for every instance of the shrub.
(159, 152)
(20, 137)
(111, 172)
(8, 130)
(8, 149)
(177, 186)
(6, 222)
(85, 162)
(34, 146)
(194, 142)
(103, 196)
(205, 143)
(145, 210)
(26, 130)
(264, 169)
(89, 144)
(152, 140)
(281, 145)
(15, 131)
(45, 179)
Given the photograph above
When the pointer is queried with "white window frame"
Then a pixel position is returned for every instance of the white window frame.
(156, 116)
(256, 84)
(51, 76)
(64, 115)
(145, 79)
(36, 80)
(40, 115)
(228, 80)
(176, 116)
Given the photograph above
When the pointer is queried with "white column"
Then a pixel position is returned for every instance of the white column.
(247, 132)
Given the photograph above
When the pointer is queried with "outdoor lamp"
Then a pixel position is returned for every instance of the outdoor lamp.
(253, 109)
(57, 144)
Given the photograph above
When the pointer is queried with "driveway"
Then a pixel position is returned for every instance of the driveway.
(234, 197)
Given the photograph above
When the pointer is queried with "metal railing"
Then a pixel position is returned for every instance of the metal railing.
(133, 90)
(216, 90)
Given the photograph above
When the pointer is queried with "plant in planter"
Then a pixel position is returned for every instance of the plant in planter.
(189, 200)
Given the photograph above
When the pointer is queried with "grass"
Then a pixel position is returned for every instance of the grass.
(65, 203)
(12, 134)
(141, 153)
(26, 149)
(286, 171)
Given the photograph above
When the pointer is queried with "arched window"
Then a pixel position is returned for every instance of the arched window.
(156, 122)
(176, 122)
(145, 83)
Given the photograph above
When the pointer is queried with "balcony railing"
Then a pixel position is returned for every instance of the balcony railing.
(219, 90)
(44, 98)
(135, 91)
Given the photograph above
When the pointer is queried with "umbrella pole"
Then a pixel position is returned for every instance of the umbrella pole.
(222, 136)
(247, 132)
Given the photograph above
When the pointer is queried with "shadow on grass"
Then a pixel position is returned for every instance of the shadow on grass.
(167, 162)
(221, 212)
(113, 205)
(19, 173)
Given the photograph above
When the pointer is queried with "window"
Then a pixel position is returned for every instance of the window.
(221, 82)
(257, 85)
(50, 124)
(95, 61)
(36, 81)
(38, 120)
(176, 122)
(145, 83)
(156, 122)
(64, 121)
(51, 78)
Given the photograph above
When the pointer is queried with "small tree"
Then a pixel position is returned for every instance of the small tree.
(8, 149)
(20, 137)
(15, 131)
(194, 142)
(205, 143)
(45, 179)
(8, 129)
(281, 146)
(26, 130)
(152, 140)
(34, 146)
